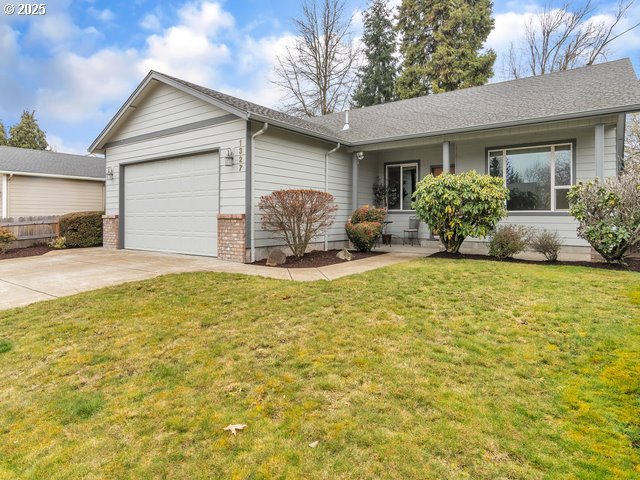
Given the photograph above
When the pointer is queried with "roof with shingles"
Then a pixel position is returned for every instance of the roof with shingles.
(611, 86)
(45, 162)
(602, 89)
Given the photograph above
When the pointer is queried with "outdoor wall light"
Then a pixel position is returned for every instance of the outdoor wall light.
(360, 155)
(109, 174)
(228, 158)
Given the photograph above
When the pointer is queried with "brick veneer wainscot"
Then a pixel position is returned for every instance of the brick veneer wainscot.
(110, 231)
(231, 237)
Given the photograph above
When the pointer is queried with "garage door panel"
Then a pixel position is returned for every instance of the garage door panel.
(172, 205)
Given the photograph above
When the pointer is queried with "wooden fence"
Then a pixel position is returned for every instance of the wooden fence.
(31, 231)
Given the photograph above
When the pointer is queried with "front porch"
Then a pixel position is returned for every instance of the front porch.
(539, 164)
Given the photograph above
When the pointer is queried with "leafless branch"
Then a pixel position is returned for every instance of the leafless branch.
(317, 73)
(559, 38)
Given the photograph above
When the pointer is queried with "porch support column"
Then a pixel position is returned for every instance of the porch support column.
(5, 196)
(446, 163)
(599, 150)
(354, 181)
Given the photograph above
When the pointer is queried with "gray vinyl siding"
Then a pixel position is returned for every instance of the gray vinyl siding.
(35, 196)
(285, 160)
(166, 107)
(367, 175)
(469, 153)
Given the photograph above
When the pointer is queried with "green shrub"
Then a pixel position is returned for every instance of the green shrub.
(6, 237)
(58, 243)
(608, 212)
(82, 229)
(363, 235)
(368, 214)
(365, 226)
(547, 243)
(508, 240)
(457, 206)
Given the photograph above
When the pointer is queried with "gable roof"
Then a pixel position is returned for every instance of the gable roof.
(602, 89)
(47, 163)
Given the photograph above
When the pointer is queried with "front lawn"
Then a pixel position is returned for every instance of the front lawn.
(430, 369)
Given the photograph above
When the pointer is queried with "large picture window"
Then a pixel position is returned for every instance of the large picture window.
(401, 180)
(538, 178)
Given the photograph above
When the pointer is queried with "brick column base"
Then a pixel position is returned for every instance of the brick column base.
(110, 231)
(231, 237)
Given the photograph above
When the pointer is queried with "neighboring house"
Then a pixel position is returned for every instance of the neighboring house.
(190, 164)
(41, 183)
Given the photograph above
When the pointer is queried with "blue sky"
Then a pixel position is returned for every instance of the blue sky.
(78, 63)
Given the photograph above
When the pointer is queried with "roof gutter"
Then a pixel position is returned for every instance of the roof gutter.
(51, 175)
(253, 188)
(556, 118)
(326, 187)
(293, 128)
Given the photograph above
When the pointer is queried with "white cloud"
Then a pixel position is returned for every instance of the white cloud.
(105, 15)
(59, 145)
(84, 88)
(151, 22)
(57, 30)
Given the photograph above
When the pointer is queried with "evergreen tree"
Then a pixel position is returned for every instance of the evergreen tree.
(27, 133)
(3, 134)
(441, 43)
(376, 79)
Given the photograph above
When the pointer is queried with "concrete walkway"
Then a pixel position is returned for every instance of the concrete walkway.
(67, 272)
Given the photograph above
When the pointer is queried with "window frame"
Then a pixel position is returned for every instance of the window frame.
(402, 165)
(553, 187)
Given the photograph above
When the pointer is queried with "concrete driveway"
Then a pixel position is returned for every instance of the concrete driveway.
(67, 272)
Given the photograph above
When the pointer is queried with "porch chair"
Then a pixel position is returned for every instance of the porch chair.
(411, 233)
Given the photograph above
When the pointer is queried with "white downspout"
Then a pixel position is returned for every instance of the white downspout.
(5, 196)
(326, 187)
(252, 195)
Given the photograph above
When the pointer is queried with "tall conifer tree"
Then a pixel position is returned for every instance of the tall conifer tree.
(376, 78)
(27, 133)
(441, 45)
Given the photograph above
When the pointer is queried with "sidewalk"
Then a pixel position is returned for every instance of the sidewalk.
(67, 272)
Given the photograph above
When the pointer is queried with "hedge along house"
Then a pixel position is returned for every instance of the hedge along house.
(43, 183)
(189, 164)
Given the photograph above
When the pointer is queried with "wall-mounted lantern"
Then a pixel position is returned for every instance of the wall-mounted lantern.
(233, 156)
(109, 174)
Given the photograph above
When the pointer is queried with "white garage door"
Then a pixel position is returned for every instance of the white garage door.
(172, 205)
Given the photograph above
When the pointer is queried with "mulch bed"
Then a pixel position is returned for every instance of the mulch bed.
(633, 263)
(320, 258)
(25, 252)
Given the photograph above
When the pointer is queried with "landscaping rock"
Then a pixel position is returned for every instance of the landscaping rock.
(276, 257)
(344, 254)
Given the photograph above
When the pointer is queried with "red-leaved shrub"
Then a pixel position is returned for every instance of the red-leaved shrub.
(297, 216)
(364, 227)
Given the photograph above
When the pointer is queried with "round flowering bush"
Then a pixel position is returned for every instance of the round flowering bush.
(365, 227)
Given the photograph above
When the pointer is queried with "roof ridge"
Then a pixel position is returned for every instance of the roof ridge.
(467, 89)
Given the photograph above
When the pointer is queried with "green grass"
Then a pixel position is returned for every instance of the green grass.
(429, 369)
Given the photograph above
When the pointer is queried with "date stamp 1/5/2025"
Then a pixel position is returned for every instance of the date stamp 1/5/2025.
(25, 9)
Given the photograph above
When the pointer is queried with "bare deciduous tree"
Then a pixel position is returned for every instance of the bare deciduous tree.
(559, 38)
(632, 138)
(318, 72)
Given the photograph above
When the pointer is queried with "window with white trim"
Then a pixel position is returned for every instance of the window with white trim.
(401, 181)
(538, 178)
